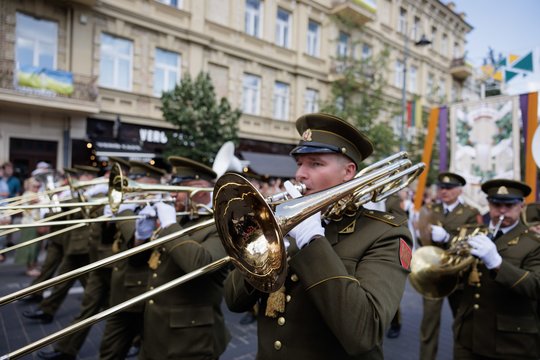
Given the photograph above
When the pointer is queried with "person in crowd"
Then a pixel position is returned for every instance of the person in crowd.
(14, 184)
(75, 254)
(345, 277)
(186, 321)
(97, 291)
(446, 217)
(129, 276)
(498, 314)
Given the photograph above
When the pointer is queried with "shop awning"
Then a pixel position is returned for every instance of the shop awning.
(270, 165)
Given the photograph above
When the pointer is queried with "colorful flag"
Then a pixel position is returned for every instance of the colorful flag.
(529, 116)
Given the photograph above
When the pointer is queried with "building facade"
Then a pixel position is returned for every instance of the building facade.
(82, 79)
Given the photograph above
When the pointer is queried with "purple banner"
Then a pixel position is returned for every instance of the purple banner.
(524, 106)
(443, 143)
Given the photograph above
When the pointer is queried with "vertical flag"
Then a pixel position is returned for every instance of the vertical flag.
(426, 157)
(443, 144)
(529, 116)
(418, 113)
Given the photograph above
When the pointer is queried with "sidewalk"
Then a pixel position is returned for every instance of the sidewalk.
(17, 331)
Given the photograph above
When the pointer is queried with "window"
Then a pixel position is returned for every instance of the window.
(173, 3)
(402, 21)
(251, 99)
(36, 42)
(343, 44)
(167, 71)
(283, 28)
(398, 78)
(457, 51)
(412, 79)
(433, 37)
(416, 28)
(116, 59)
(281, 100)
(253, 18)
(312, 101)
(430, 84)
(442, 88)
(444, 45)
(313, 38)
(366, 51)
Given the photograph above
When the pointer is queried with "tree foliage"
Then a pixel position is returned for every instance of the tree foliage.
(203, 122)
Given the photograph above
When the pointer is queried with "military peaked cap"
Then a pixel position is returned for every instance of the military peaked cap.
(120, 161)
(184, 169)
(448, 179)
(505, 191)
(138, 169)
(531, 214)
(71, 171)
(327, 134)
(82, 169)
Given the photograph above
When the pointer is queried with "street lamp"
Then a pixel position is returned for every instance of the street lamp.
(422, 42)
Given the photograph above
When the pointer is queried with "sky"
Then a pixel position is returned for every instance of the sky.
(509, 27)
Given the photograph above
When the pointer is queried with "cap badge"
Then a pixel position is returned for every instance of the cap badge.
(446, 179)
(306, 136)
(502, 191)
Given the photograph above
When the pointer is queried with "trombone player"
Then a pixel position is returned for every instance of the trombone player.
(498, 317)
(346, 277)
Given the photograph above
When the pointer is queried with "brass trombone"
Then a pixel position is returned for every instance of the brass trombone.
(251, 231)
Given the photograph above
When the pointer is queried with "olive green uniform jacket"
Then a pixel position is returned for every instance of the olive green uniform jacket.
(342, 291)
(186, 321)
(498, 317)
(462, 214)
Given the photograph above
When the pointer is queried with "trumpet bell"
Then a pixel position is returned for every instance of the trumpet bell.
(250, 233)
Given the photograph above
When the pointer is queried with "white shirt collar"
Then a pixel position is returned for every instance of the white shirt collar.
(451, 207)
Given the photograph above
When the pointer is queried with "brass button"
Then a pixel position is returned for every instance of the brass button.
(154, 275)
(480, 273)
(478, 285)
(159, 262)
(518, 329)
(281, 321)
(150, 301)
(477, 296)
(476, 306)
(288, 298)
(192, 322)
(151, 288)
(139, 282)
(115, 268)
(294, 277)
(277, 345)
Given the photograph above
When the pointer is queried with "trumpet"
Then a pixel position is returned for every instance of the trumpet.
(435, 272)
(251, 231)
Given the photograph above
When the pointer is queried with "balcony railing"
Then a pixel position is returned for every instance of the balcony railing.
(459, 69)
(84, 87)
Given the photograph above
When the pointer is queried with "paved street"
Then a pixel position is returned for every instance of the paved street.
(17, 331)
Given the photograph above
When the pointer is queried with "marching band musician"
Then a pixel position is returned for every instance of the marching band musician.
(129, 276)
(346, 278)
(75, 254)
(186, 321)
(498, 316)
(97, 290)
(446, 219)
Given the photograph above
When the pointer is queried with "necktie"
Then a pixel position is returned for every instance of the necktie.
(498, 235)
(446, 211)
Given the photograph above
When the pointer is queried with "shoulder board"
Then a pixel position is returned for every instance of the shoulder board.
(532, 235)
(391, 219)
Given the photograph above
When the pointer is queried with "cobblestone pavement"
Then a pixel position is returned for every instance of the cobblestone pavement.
(17, 331)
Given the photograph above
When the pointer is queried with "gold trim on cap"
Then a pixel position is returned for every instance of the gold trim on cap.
(446, 179)
(306, 136)
(502, 191)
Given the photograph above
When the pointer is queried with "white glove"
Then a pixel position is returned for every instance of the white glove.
(107, 211)
(146, 224)
(125, 207)
(484, 249)
(96, 190)
(166, 214)
(307, 229)
(438, 234)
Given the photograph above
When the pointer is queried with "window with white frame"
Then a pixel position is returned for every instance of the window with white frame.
(312, 101)
(433, 37)
(402, 21)
(174, 3)
(442, 88)
(36, 42)
(416, 28)
(251, 94)
(313, 38)
(283, 28)
(456, 51)
(413, 74)
(444, 45)
(166, 71)
(253, 18)
(281, 100)
(116, 62)
(367, 51)
(398, 76)
(430, 85)
(343, 44)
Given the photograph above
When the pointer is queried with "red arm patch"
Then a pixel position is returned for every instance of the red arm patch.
(405, 254)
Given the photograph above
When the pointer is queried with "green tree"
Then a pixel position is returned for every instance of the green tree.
(357, 95)
(203, 122)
